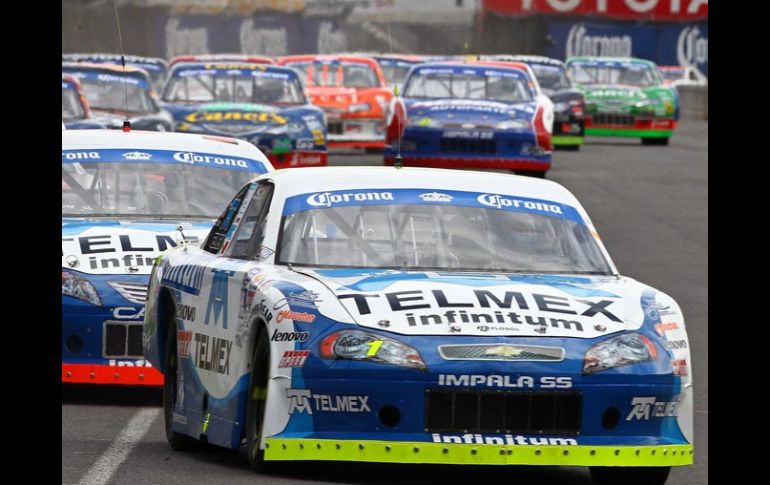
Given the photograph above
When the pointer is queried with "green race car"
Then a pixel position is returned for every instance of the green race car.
(625, 97)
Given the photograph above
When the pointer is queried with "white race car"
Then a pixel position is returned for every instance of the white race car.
(418, 316)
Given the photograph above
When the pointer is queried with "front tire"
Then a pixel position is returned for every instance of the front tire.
(257, 400)
(643, 475)
(655, 141)
(178, 441)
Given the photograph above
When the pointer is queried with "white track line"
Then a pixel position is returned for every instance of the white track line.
(101, 472)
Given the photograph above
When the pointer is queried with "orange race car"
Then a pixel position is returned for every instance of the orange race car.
(353, 93)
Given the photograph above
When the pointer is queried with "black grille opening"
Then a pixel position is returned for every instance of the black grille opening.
(334, 128)
(612, 119)
(468, 145)
(115, 340)
(135, 340)
(123, 340)
(532, 412)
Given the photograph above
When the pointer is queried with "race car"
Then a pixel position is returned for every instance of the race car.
(220, 58)
(418, 316)
(484, 114)
(682, 76)
(568, 102)
(75, 113)
(116, 94)
(260, 103)
(352, 92)
(126, 197)
(156, 68)
(395, 67)
(625, 97)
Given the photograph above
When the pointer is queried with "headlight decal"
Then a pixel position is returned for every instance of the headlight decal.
(80, 288)
(365, 346)
(625, 349)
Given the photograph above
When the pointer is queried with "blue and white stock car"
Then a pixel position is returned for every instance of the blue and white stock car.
(125, 198)
(418, 316)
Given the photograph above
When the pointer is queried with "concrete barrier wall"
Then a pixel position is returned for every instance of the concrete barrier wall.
(694, 102)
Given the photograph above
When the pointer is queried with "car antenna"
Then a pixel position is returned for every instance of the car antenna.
(183, 242)
(399, 160)
(126, 122)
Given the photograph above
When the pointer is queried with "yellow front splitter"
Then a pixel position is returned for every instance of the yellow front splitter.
(470, 454)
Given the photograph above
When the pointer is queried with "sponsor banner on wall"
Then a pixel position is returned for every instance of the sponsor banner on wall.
(664, 44)
(271, 35)
(673, 10)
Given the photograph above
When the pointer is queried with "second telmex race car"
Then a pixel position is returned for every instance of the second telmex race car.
(418, 316)
(155, 67)
(260, 103)
(484, 114)
(115, 94)
(125, 198)
(625, 97)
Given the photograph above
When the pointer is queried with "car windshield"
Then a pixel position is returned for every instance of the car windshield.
(139, 189)
(71, 107)
(551, 78)
(395, 72)
(493, 85)
(345, 74)
(672, 74)
(117, 96)
(443, 237)
(631, 73)
(234, 86)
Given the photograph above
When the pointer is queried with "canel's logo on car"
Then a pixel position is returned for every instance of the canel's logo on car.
(327, 199)
(692, 48)
(498, 202)
(580, 44)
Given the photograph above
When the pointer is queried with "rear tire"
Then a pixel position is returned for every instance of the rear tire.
(643, 475)
(655, 141)
(257, 400)
(531, 173)
(178, 441)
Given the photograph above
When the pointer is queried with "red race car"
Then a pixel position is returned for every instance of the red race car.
(353, 93)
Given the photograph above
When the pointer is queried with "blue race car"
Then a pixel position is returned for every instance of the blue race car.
(75, 113)
(116, 94)
(418, 316)
(126, 197)
(260, 103)
(154, 66)
(472, 115)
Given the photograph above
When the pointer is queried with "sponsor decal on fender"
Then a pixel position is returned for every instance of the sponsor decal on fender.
(680, 367)
(296, 316)
(661, 328)
(183, 340)
(293, 358)
(302, 401)
(212, 353)
(289, 336)
(507, 439)
(644, 408)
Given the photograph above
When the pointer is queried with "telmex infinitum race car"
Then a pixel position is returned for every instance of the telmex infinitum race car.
(125, 197)
(116, 93)
(418, 316)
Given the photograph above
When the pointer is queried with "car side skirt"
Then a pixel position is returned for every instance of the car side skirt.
(471, 162)
(106, 374)
(284, 449)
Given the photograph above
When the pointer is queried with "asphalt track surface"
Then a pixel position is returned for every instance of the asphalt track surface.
(650, 207)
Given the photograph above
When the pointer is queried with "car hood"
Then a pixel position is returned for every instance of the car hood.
(608, 92)
(120, 246)
(484, 304)
(238, 118)
(453, 111)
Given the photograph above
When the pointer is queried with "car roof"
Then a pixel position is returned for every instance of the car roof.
(153, 140)
(295, 181)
